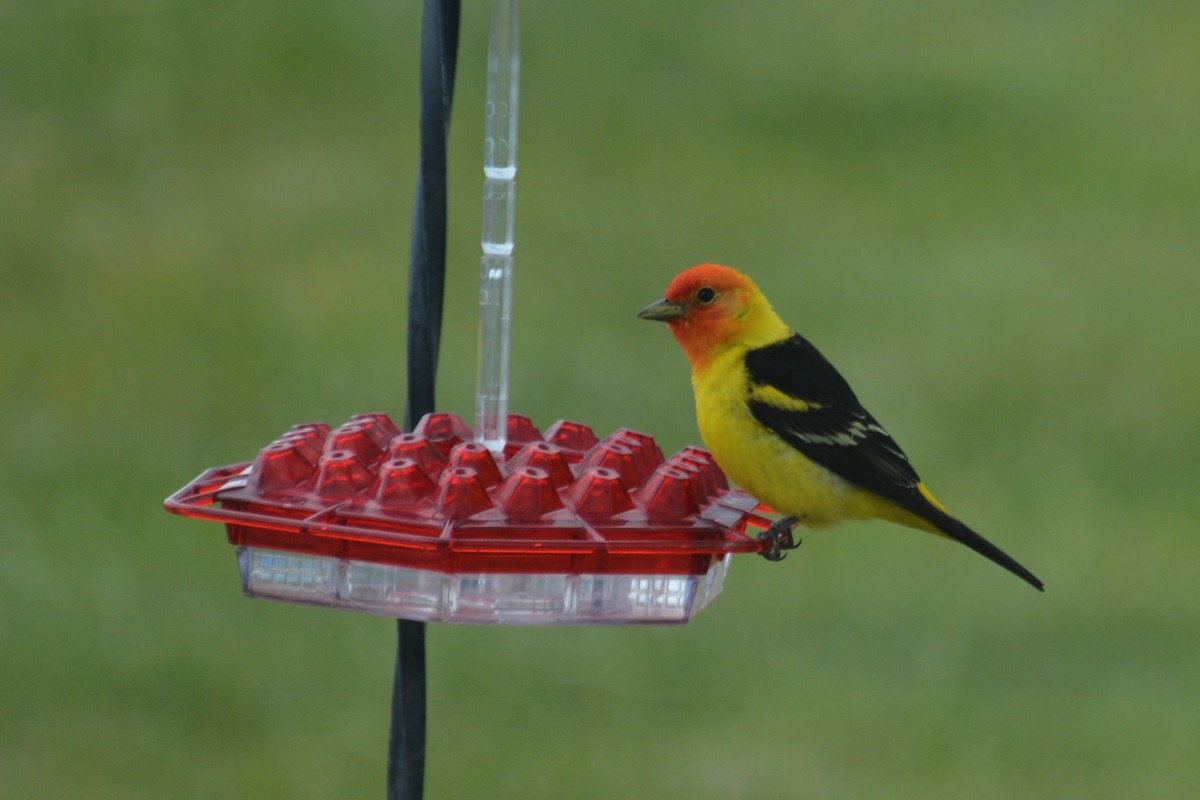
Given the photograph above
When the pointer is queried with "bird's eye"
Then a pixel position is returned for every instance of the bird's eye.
(706, 295)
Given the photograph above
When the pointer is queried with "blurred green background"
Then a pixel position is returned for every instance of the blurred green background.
(987, 214)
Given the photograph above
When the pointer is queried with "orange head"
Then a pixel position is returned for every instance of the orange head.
(712, 308)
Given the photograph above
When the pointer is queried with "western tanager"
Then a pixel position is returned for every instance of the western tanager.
(785, 426)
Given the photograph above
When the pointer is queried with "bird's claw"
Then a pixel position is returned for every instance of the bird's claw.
(779, 536)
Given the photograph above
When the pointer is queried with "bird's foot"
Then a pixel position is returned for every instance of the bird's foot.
(780, 537)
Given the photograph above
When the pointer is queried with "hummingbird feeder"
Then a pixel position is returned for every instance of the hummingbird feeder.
(502, 524)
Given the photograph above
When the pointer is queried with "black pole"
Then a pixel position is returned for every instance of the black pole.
(427, 269)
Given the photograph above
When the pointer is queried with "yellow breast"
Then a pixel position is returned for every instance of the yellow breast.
(762, 463)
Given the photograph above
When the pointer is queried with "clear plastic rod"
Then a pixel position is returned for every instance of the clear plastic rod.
(499, 206)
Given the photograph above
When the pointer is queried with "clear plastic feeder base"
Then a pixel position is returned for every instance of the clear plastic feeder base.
(489, 598)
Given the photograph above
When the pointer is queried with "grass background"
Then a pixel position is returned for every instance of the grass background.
(987, 214)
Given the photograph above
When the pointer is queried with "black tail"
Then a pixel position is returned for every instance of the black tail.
(961, 533)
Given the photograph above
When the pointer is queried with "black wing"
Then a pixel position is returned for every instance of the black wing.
(835, 430)
(796, 393)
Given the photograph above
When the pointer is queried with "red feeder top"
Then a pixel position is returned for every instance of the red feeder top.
(562, 502)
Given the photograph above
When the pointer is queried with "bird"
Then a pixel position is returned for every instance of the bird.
(786, 427)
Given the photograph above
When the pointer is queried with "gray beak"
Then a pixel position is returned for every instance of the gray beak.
(663, 311)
